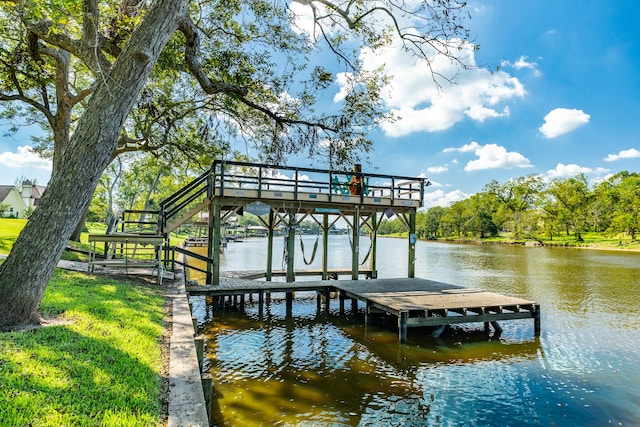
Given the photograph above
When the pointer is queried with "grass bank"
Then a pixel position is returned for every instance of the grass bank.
(102, 365)
(100, 360)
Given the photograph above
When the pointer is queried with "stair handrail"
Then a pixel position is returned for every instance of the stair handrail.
(170, 206)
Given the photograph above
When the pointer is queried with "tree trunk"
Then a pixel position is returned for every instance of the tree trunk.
(25, 274)
(77, 231)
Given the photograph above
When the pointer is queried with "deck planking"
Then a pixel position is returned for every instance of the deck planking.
(415, 302)
(421, 294)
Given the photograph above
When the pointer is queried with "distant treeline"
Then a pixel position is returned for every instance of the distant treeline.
(530, 208)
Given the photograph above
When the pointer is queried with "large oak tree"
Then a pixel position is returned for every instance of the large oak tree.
(240, 60)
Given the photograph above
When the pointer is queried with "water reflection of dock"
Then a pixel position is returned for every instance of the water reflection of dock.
(415, 302)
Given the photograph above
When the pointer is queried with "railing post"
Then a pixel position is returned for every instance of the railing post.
(221, 178)
(393, 190)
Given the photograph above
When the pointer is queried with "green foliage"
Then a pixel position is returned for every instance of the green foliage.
(101, 367)
(626, 212)
(49, 50)
(524, 208)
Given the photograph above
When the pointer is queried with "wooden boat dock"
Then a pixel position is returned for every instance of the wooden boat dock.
(282, 197)
(415, 302)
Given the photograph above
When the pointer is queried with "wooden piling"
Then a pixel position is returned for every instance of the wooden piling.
(194, 320)
(207, 388)
(199, 341)
(402, 326)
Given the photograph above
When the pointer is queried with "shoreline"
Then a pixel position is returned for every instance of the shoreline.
(528, 244)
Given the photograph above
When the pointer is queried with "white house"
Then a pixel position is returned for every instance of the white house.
(12, 201)
(19, 200)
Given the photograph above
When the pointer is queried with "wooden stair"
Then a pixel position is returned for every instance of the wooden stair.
(186, 216)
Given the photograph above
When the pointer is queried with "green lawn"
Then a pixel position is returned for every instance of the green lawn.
(101, 366)
(9, 230)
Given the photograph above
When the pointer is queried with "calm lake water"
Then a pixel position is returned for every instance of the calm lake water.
(310, 369)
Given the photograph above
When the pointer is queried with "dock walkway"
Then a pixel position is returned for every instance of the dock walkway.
(415, 302)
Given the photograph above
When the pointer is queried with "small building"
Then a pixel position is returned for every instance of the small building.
(19, 200)
(31, 193)
(12, 203)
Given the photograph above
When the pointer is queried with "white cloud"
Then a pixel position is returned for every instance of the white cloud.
(440, 198)
(413, 95)
(437, 169)
(631, 153)
(563, 170)
(563, 120)
(24, 163)
(491, 156)
(24, 157)
(473, 146)
(523, 63)
(303, 17)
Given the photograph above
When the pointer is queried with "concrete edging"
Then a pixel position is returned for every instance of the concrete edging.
(187, 406)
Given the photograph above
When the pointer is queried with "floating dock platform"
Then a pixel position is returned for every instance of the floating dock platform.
(415, 302)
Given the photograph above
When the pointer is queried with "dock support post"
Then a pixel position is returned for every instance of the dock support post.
(291, 247)
(289, 296)
(318, 302)
(327, 300)
(289, 304)
(536, 321)
(269, 272)
(412, 246)
(355, 249)
(368, 314)
(354, 305)
(325, 246)
(213, 244)
(260, 304)
(341, 300)
(402, 326)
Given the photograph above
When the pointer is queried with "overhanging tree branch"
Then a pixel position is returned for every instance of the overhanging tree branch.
(192, 43)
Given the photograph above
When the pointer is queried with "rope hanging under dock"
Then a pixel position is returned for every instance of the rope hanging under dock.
(313, 254)
(366, 257)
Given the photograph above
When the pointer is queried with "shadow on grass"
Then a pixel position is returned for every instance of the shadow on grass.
(104, 368)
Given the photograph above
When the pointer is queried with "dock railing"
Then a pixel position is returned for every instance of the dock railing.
(231, 178)
(229, 175)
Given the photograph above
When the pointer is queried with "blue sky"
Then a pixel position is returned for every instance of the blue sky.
(565, 100)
